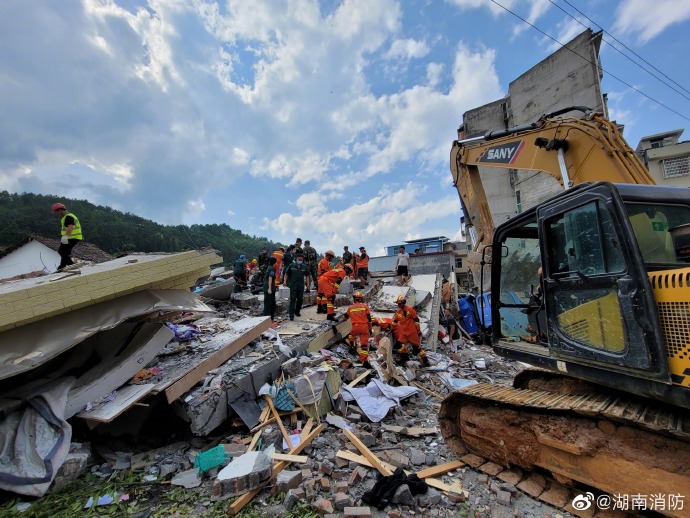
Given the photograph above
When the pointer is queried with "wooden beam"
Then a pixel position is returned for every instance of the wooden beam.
(355, 381)
(376, 462)
(271, 420)
(285, 433)
(431, 392)
(440, 469)
(125, 398)
(306, 429)
(255, 441)
(413, 431)
(191, 378)
(300, 459)
(243, 500)
(432, 482)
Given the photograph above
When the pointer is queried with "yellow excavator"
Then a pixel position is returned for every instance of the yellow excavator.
(592, 288)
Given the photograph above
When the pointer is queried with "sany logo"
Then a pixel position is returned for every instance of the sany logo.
(502, 154)
(583, 502)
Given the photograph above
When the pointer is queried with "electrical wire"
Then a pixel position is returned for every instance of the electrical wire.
(626, 47)
(590, 62)
(623, 53)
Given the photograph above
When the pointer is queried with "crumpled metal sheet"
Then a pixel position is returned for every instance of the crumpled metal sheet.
(24, 348)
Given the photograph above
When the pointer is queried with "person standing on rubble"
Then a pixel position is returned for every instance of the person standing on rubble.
(453, 329)
(311, 259)
(406, 330)
(295, 274)
(402, 265)
(70, 234)
(324, 266)
(446, 291)
(263, 263)
(360, 316)
(298, 246)
(278, 254)
(347, 255)
(363, 266)
(288, 259)
(329, 283)
(270, 289)
(240, 273)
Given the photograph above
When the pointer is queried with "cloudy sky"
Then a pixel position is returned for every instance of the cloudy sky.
(328, 120)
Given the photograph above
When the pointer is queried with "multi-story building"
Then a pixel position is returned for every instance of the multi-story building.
(667, 159)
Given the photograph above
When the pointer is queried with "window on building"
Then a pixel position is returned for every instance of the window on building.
(458, 262)
(656, 143)
(676, 166)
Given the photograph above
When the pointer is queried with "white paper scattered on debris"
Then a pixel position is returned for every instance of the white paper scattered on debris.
(377, 398)
(294, 439)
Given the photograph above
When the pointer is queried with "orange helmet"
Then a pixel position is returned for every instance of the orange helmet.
(57, 206)
(400, 299)
(358, 295)
(330, 252)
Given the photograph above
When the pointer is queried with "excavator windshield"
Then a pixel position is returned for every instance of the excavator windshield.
(654, 225)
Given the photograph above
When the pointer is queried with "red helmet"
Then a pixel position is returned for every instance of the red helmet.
(358, 295)
(57, 206)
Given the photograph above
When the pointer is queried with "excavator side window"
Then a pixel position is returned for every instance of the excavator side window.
(582, 244)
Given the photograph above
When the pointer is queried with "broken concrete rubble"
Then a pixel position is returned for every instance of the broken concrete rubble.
(327, 481)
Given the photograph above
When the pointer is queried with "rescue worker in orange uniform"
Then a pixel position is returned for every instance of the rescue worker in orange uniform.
(325, 263)
(362, 265)
(329, 283)
(278, 254)
(324, 266)
(406, 330)
(360, 315)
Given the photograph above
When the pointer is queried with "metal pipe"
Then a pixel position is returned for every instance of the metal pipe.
(567, 184)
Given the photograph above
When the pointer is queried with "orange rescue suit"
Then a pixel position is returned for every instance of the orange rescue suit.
(329, 283)
(324, 266)
(406, 326)
(279, 262)
(363, 262)
(360, 316)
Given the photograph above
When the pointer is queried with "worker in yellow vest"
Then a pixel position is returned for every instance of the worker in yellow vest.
(70, 234)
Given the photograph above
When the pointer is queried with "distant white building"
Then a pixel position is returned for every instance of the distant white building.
(39, 254)
(667, 159)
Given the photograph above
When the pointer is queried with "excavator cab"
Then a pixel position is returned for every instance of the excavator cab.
(596, 246)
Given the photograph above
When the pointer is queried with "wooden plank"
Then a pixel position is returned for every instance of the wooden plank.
(368, 453)
(126, 397)
(307, 428)
(264, 414)
(360, 459)
(355, 381)
(431, 392)
(255, 441)
(196, 374)
(329, 337)
(243, 500)
(300, 459)
(269, 421)
(285, 433)
(440, 469)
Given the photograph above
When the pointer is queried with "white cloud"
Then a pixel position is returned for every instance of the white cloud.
(537, 9)
(476, 4)
(407, 49)
(647, 21)
(231, 212)
(433, 74)
(566, 30)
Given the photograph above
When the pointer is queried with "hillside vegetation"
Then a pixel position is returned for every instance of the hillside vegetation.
(119, 232)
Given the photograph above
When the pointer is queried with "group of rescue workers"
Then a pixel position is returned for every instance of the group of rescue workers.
(299, 269)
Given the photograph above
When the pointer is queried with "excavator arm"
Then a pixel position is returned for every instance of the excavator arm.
(572, 150)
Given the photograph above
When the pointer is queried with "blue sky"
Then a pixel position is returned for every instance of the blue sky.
(328, 120)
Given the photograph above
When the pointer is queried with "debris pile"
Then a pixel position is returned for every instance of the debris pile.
(282, 417)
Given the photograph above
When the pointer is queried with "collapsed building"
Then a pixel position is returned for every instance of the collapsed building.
(90, 354)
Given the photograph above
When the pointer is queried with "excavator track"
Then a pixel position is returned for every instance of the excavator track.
(615, 444)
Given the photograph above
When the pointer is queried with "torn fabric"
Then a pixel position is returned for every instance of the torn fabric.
(34, 442)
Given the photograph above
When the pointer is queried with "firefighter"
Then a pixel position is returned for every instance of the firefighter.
(324, 266)
(362, 265)
(360, 315)
(406, 330)
(278, 254)
(325, 263)
(329, 283)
